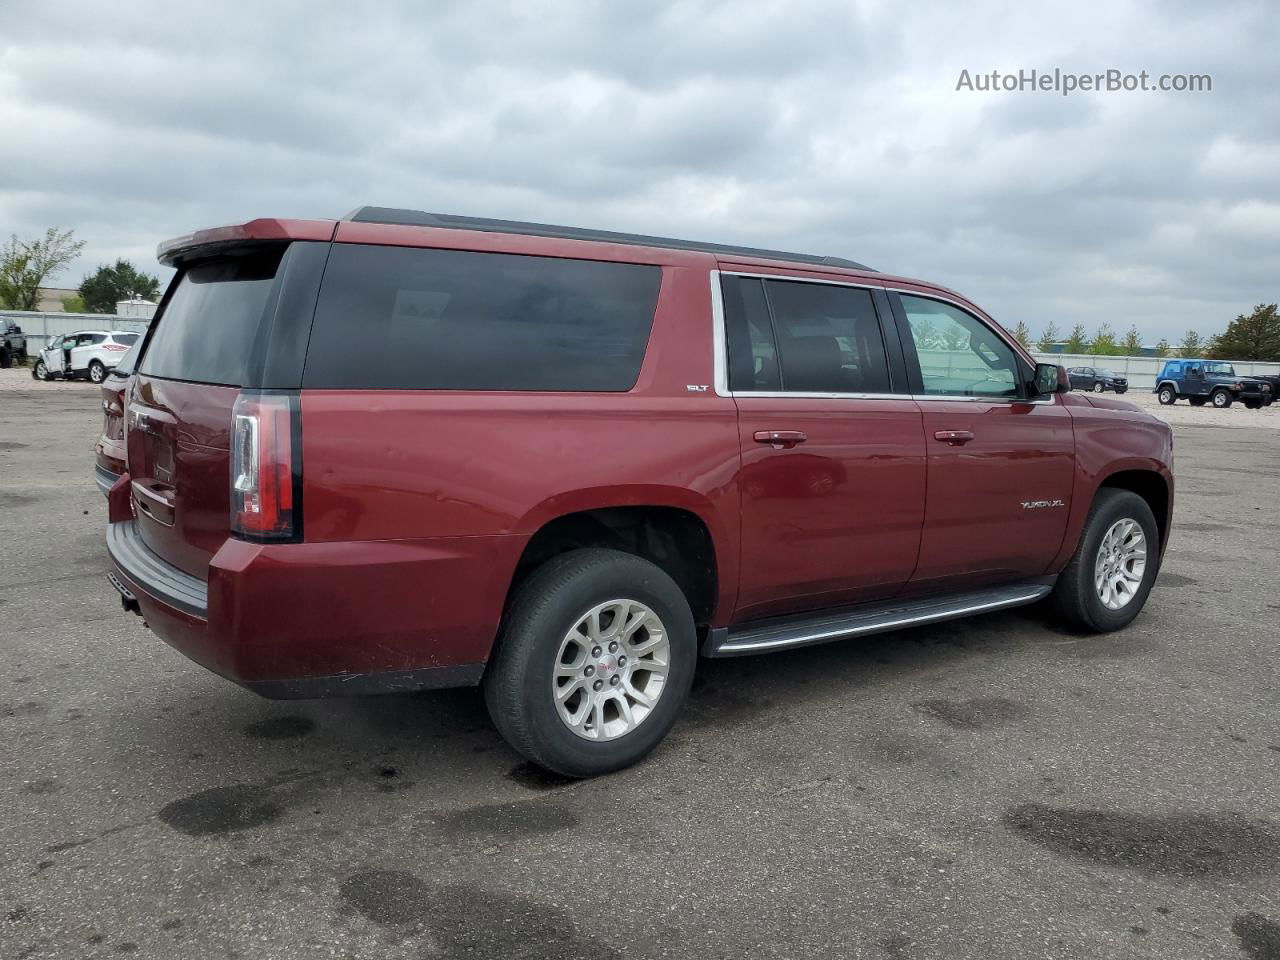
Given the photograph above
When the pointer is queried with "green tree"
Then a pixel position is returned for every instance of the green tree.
(26, 264)
(1022, 333)
(1131, 346)
(1163, 348)
(1255, 337)
(1104, 344)
(1191, 345)
(108, 284)
(1047, 339)
(73, 304)
(1077, 341)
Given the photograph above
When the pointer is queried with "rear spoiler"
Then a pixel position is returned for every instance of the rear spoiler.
(219, 240)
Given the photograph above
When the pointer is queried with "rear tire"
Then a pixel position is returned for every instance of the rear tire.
(1098, 388)
(548, 611)
(4, 359)
(40, 371)
(1167, 395)
(1221, 399)
(1077, 597)
(97, 372)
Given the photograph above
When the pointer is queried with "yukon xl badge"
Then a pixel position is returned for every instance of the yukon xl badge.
(1041, 504)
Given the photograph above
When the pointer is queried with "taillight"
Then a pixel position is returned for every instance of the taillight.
(114, 347)
(266, 467)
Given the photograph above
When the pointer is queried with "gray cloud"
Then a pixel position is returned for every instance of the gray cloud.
(827, 126)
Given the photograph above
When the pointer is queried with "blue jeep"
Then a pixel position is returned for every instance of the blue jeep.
(1210, 381)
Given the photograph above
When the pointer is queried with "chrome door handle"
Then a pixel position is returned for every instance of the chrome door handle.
(780, 439)
(955, 438)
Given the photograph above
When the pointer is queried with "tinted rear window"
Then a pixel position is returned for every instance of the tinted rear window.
(128, 339)
(208, 328)
(396, 317)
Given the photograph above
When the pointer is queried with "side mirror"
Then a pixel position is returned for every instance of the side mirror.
(1050, 379)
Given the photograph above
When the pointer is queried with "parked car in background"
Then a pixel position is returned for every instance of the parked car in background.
(86, 354)
(1210, 381)
(109, 449)
(13, 343)
(563, 463)
(1097, 379)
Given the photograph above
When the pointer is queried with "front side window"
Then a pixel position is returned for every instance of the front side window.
(406, 318)
(959, 354)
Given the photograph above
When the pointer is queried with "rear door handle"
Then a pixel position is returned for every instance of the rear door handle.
(954, 437)
(780, 439)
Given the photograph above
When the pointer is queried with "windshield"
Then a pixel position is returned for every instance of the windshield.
(1224, 369)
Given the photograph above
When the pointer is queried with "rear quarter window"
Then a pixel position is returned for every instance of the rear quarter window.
(406, 318)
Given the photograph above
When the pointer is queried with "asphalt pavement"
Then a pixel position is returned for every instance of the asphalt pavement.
(993, 788)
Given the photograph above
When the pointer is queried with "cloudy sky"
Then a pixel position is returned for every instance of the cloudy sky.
(832, 127)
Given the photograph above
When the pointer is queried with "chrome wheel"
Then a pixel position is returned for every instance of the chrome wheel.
(1098, 388)
(611, 670)
(1121, 562)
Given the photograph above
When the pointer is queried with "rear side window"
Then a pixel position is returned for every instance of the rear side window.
(407, 318)
(207, 331)
(801, 337)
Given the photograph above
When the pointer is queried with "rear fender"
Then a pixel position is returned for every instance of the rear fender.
(723, 532)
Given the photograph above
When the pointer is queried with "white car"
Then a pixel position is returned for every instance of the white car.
(87, 353)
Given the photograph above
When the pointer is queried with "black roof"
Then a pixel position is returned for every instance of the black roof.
(418, 218)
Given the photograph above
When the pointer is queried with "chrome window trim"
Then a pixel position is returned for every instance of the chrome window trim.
(781, 276)
(719, 344)
(720, 350)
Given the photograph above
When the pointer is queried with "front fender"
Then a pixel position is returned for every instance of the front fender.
(1110, 441)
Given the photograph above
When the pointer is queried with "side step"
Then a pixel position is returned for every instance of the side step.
(782, 633)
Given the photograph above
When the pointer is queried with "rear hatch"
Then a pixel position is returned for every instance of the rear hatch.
(201, 351)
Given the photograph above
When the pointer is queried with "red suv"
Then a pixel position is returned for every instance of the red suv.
(406, 450)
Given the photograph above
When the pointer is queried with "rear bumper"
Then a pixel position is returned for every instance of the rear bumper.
(326, 619)
(109, 455)
(104, 478)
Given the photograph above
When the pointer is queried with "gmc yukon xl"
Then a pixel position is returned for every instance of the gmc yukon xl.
(405, 450)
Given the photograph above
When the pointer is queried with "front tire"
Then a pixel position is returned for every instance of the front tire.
(97, 372)
(40, 371)
(577, 684)
(1106, 584)
(1167, 395)
(1098, 388)
(1220, 399)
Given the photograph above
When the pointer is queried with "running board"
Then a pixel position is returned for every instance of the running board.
(783, 633)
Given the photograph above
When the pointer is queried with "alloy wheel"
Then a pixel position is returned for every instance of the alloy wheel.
(1120, 564)
(611, 670)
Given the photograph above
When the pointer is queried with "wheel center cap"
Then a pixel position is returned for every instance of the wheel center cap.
(607, 666)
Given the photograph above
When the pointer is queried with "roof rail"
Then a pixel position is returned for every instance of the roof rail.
(419, 218)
